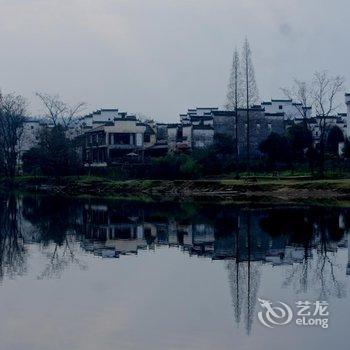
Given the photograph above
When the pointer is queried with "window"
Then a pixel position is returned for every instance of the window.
(101, 139)
(146, 138)
(120, 139)
(280, 107)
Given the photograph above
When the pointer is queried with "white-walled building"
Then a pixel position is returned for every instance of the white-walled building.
(101, 116)
(347, 102)
(30, 135)
(113, 141)
(199, 115)
(291, 110)
(195, 130)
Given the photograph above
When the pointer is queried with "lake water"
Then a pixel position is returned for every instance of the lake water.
(93, 274)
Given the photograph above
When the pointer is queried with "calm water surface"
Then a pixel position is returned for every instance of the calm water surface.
(87, 274)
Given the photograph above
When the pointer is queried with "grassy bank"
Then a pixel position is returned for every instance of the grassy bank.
(253, 189)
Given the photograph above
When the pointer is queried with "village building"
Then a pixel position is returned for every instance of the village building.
(347, 102)
(339, 120)
(198, 116)
(291, 110)
(113, 142)
(29, 137)
(202, 124)
(113, 137)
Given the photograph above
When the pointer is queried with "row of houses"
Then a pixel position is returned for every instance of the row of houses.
(112, 233)
(112, 137)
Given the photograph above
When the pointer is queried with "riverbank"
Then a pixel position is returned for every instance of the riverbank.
(249, 189)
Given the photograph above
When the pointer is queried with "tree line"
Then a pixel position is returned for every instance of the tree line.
(321, 94)
(55, 154)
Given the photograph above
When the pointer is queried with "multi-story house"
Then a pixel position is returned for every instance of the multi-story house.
(116, 141)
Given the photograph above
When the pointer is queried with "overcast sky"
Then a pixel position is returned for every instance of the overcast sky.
(160, 57)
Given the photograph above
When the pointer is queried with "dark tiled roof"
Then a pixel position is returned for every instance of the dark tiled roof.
(102, 122)
(131, 118)
(281, 114)
(224, 113)
(198, 118)
(282, 101)
(172, 126)
(202, 127)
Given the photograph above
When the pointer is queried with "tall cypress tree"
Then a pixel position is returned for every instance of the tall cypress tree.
(251, 92)
(235, 97)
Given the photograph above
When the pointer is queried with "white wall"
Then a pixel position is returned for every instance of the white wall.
(30, 135)
(347, 101)
(291, 110)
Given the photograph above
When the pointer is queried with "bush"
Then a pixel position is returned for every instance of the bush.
(277, 149)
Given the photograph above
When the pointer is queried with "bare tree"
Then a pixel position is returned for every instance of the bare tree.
(325, 90)
(251, 89)
(59, 112)
(301, 93)
(235, 98)
(12, 111)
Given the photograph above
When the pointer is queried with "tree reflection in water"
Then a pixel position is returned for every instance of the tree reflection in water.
(13, 260)
(303, 241)
(54, 224)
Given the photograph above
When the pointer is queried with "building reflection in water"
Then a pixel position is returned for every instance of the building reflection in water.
(304, 241)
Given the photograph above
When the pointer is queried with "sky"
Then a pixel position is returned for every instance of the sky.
(161, 57)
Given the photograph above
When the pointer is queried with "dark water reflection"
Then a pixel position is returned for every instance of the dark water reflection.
(303, 251)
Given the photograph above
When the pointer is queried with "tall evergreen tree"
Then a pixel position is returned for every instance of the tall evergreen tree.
(235, 86)
(251, 90)
(235, 97)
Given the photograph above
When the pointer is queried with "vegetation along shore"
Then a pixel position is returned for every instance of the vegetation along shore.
(281, 189)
